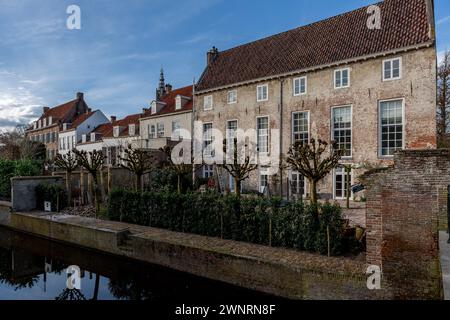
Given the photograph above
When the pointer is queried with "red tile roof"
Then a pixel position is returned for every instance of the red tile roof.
(61, 111)
(124, 125)
(170, 101)
(404, 24)
(80, 119)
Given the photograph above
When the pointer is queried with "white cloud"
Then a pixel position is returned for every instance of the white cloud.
(443, 20)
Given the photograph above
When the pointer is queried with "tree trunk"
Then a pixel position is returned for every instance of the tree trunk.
(179, 183)
(95, 192)
(96, 287)
(237, 187)
(347, 186)
(138, 182)
(68, 188)
(313, 192)
(82, 186)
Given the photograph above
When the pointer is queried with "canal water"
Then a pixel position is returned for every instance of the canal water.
(36, 269)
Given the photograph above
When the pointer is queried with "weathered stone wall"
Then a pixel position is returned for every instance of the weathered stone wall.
(286, 273)
(23, 191)
(406, 206)
(417, 87)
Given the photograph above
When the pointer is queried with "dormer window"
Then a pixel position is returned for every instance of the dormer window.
(44, 122)
(132, 129)
(116, 131)
(93, 137)
(35, 125)
(83, 140)
(50, 120)
(178, 103)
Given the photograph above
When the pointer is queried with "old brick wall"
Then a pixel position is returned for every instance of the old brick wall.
(417, 87)
(406, 206)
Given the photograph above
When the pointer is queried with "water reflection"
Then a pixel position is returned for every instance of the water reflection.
(35, 269)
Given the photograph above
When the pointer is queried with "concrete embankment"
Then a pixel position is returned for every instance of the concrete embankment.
(285, 273)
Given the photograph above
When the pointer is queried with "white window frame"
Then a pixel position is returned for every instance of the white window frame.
(335, 77)
(266, 86)
(292, 123)
(391, 61)
(263, 172)
(210, 140)
(208, 168)
(230, 93)
(268, 135)
(160, 130)
(152, 131)
(380, 132)
(299, 79)
(344, 174)
(208, 103)
(305, 182)
(351, 127)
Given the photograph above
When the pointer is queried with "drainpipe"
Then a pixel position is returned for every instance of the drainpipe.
(281, 135)
(192, 133)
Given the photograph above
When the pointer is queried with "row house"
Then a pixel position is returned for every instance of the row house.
(373, 91)
(112, 138)
(72, 133)
(49, 125)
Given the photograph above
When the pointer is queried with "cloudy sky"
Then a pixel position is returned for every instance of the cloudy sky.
(116, 56)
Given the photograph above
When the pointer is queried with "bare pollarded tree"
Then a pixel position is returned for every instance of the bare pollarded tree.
(139, 162)
(93, 162)
(69, 163)
(239, 166)
(181, 169)
(314, 161)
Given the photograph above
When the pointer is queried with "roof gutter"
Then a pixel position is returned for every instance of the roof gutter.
(324, 66)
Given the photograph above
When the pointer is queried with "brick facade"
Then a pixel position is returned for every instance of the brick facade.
(406, 206)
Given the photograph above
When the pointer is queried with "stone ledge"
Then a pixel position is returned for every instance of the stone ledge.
(286, 273)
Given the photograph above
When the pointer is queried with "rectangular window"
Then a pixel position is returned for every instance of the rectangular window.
(391, 127)
(342, 129)
(300, 127)
(263, 134)
(262, 93)
(208, 171)
(300, 85)
(232, 97)
(263, 180)
(207, 140)
(297, 184)
(208, 103)
(152, 131)
(342, 78)
(342, 182)
(160, 130)
(392, 69)
(232, 127)
(176, 129)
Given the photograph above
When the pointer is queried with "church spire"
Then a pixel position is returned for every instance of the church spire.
(161, 91)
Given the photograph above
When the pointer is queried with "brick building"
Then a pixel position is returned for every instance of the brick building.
(371, 90)
(47, 128)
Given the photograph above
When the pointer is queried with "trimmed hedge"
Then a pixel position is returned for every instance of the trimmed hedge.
(255, 220)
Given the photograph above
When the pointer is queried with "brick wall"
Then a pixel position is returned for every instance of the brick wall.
(406, 206)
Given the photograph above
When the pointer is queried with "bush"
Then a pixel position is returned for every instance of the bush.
(256, 220)
(52, 193)
(15, 168)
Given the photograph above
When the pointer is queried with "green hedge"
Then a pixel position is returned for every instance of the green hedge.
(15, 168)
(255, 220)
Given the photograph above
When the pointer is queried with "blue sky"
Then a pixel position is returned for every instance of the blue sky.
(116, 57)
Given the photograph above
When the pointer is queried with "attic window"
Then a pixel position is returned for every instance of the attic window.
(132, 129)
(178, 103)
(116, 131)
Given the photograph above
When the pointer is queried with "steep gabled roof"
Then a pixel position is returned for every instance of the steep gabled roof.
(404, 23)
(61, 111)
(170, 102)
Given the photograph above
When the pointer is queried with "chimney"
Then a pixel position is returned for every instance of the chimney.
(45, 109)
(113, 119)
(211, 55)
(168, 88)
(80, 96)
